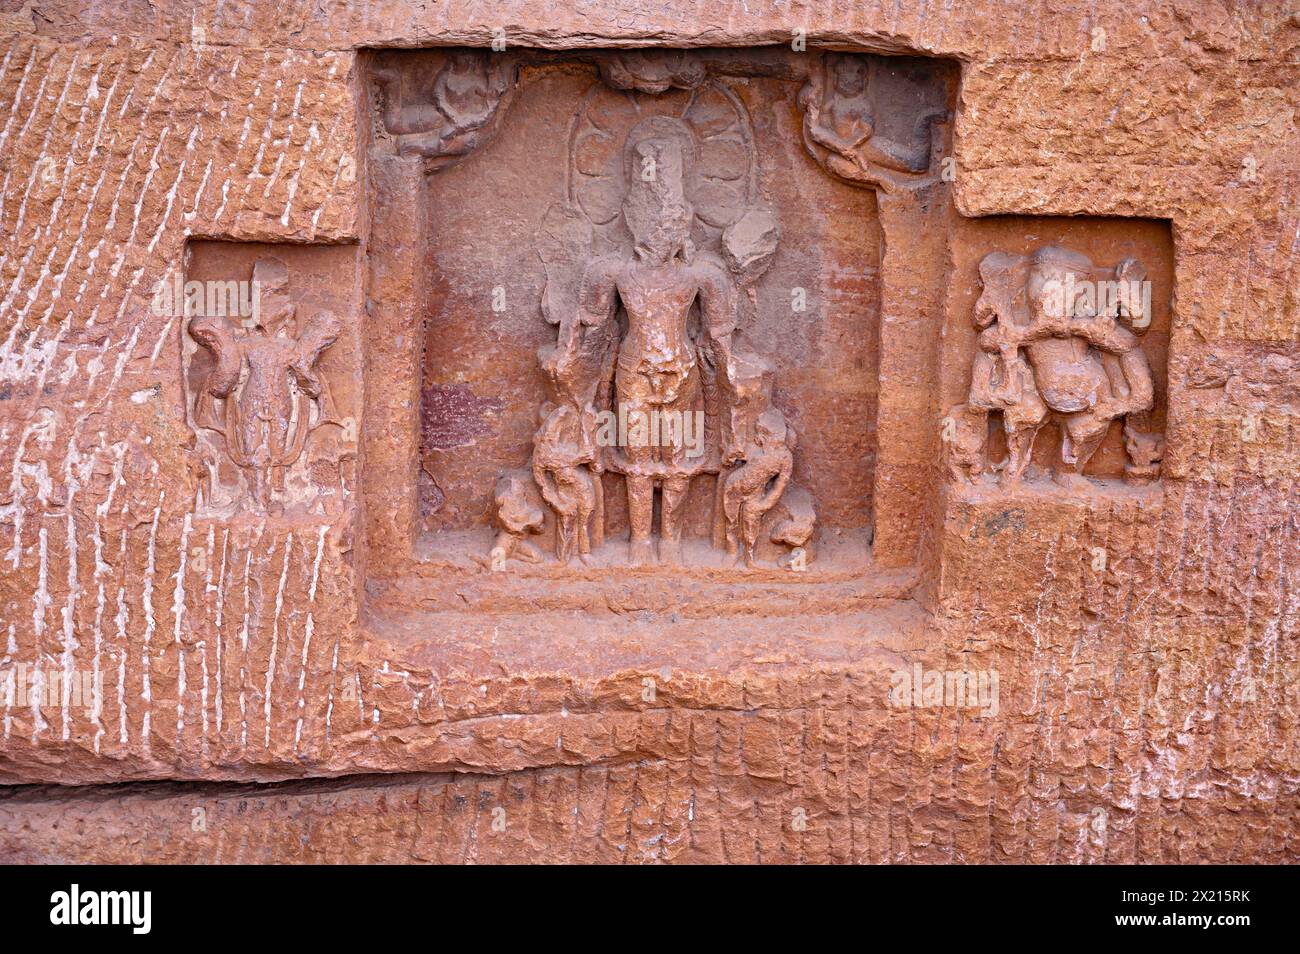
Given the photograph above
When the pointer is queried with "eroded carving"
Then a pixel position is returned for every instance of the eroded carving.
(1057, 343)
(653, 258)
(261, 391)
(754, 486)
(518, 515)
(795, 530)
(456, 113)
(646, 379)
(652, 71)
(841, 130)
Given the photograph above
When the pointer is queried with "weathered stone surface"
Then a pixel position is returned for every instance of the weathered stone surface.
(1147, 697)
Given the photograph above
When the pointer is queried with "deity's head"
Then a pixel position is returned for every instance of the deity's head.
(462, 66)
(849, 75)
(271, 291)
(655, 207)
(1057, 277)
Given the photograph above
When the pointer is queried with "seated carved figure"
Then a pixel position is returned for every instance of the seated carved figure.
(840, 125)
(517, 516)
(754, 488)
(796, 530)
(455, 114)
(1050, 354)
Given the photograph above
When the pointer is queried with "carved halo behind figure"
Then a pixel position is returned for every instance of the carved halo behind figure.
(713, 128)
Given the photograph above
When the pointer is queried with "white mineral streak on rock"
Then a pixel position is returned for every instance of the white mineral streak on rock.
(243, 632)
(41, 602)
(150, 624)
(76, 471)
(220, 635)
(11, 688)
(275, 637)
(178, 616)
(309, 629)
(101, 595)
(122, 620)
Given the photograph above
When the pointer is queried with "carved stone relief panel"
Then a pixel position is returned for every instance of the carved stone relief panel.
(652, 331)
(270, 356)
(855, 130)
(1057, 351)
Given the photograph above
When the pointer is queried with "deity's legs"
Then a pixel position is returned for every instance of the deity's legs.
(640, 512)
(1081, 435)
(670, 531)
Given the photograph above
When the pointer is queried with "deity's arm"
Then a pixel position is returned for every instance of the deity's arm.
(718, 308)
(588, 445)
(992, 339)
(1107, 335)
(596, 303)
(1104, 333)
(321, 332)
(1131, 278)
(213, 333)
(1137, 374)
(598, 294)
(773, 495)
(546, 483)
(986, 310)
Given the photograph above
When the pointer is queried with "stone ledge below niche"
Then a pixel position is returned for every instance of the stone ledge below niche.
(1042, 489)
(580, 645)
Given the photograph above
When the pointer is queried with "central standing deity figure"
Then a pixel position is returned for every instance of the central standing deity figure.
(657, 374)
(650, 264)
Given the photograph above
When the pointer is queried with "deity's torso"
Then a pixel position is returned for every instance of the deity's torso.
(1069, 375)
(656, 358)
(658, 303)
(849, 120)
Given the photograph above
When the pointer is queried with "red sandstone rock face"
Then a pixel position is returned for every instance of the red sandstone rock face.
(342, 617)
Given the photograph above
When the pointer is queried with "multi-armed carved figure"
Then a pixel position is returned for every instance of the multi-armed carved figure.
(266, 380)
(1052, 347)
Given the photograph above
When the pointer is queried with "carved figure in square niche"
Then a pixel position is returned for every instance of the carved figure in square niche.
(458, 112)
(1058, 343)
(840, 128)
(649, 266)
(261, 390)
